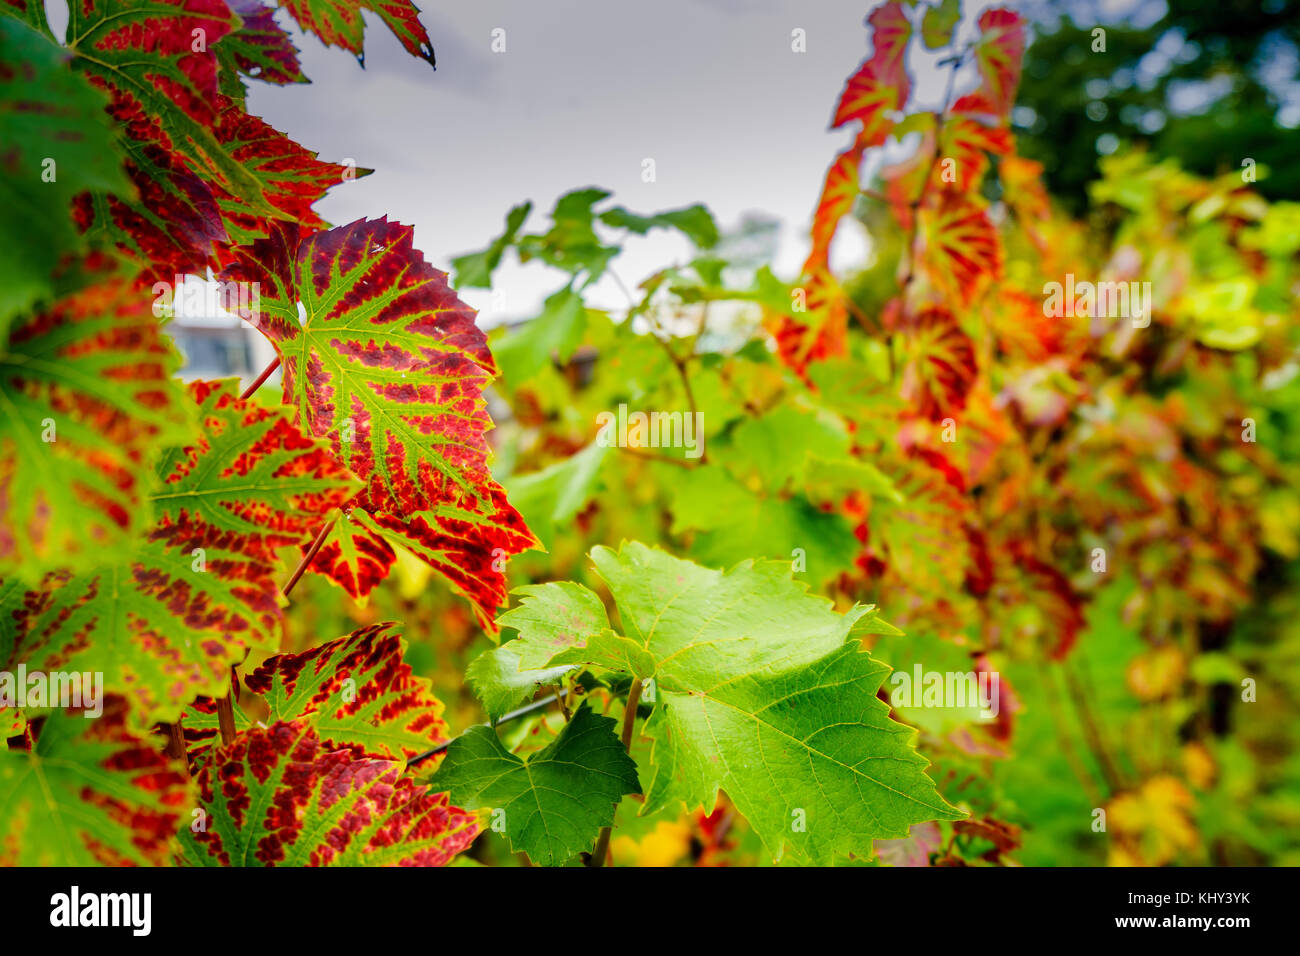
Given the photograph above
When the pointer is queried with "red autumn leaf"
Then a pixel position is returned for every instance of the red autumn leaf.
(817, 333)
(164, 621)
(278, 796)
(998, 53)
(356, 692)
(881, 84)
(960, 250)
(966, 141)
(292, 178)
(90, 792)
(839, 192)
(941, 365)
(388, 364)
(259, 48)
(339, 23)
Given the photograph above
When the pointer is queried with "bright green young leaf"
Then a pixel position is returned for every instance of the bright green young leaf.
(501, 685)
(555, 802)
(762, 690)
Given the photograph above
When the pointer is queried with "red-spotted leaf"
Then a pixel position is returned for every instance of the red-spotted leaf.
(356, 692)
(291, 177)
(278, 796)
(164, 621)
(158, 59)
(355, 555)
(881, 85)
(388, 365)
(941, 365)
(339, 23)
(258, 48)
(90, 792)
(961, 252)
(89, 404)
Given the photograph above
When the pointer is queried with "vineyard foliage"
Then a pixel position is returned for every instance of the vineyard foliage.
(719, 541)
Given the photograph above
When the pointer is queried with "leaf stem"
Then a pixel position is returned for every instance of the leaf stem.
(601, 851)
(317, 543)
(257, 382)
(505, 719)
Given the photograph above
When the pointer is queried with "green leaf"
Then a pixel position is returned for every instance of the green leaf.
(761, 689)
(938, 23)
(90, 793)
(548, 499)
(695, 222)
(557, 331)
(732, 523)
(475, 269)
(58, 142)
(571, 243)
(501, 685)
(555, 802)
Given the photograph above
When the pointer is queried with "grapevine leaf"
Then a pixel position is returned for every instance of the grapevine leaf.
(475, 269)
(89, 793)
(556, 801)
(695, 222)
(339, 23)
(961, 249)
(732, 522)
(571, 243)
(387, 362)
(164, 622)
(89, 403)
(938, 23)
(763, 690)
(998, 55)
(552, 618)
(57, 143)
(557, 331)
(291, 177)
(965, 140)
(839, 193)
(499, 683)
(549, 499)
(162, 74)
(881, 85)
(389, 366)
(278, 796)
(356, 692)
(259, 48)
(940, 367)
(355, 555)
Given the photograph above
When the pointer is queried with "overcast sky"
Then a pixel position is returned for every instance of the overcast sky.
(587, 89)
